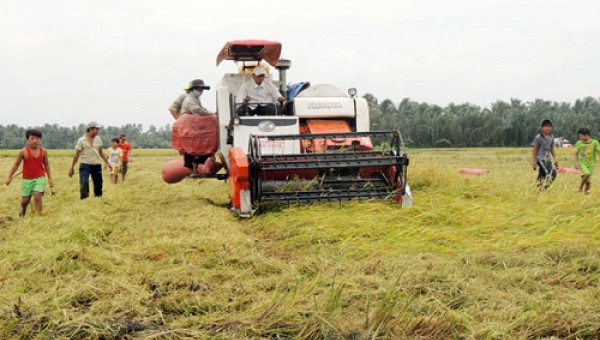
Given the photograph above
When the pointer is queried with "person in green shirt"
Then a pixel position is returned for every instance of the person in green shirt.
(585, 157)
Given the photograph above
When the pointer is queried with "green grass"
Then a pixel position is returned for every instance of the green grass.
(482, 257)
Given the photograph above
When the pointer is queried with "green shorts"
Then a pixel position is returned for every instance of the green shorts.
(29, 186)
(586, 170)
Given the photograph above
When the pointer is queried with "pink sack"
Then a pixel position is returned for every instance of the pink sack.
(569, 171)
(173, 171)
(472, 171)
(209, 167)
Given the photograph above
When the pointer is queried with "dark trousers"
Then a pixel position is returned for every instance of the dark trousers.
(85, 170)
(188, 160)
(545, 166)
(124, 167)
(267, 110)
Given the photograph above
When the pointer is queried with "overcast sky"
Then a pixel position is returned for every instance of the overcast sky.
(117, 62)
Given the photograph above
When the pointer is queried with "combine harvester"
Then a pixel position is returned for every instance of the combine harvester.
(317, 148)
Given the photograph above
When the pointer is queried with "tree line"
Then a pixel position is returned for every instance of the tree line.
(60, 137)
(504, 124)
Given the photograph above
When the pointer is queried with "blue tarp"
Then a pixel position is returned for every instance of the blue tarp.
(294, 89)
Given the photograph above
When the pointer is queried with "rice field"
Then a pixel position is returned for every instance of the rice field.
(477, 257)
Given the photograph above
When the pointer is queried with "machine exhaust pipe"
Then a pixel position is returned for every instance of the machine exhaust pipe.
(282, 66)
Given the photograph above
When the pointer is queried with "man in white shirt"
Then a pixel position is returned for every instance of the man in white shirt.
(258, 97)
(89, 150)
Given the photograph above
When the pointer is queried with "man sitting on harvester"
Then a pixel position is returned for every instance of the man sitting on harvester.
(257, 96)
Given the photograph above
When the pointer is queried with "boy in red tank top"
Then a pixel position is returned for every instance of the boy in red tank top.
(35, 168)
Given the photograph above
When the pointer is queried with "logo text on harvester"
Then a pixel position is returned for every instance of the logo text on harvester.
(326, 105)
(274, 144)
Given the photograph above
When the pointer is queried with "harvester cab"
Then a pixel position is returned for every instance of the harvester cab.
(317, 147)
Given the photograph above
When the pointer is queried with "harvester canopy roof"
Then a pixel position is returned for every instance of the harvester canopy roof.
(243, 50)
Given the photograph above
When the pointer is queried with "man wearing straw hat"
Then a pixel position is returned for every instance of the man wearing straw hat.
(193, 106)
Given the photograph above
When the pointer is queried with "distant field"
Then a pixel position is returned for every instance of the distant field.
(483, 257)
